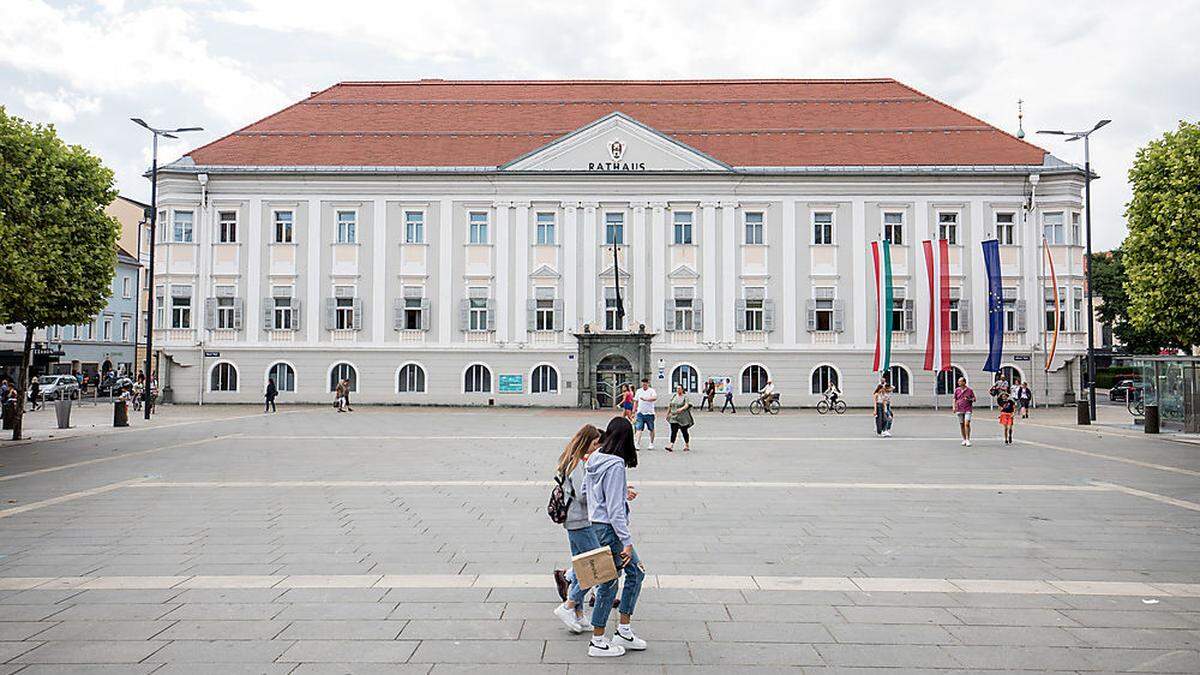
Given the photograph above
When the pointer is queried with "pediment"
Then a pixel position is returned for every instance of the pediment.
(545, 272)
(684, 272)
(607, 273)
(616, 143)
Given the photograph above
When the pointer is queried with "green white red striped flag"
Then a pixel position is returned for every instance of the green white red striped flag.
(881, 252)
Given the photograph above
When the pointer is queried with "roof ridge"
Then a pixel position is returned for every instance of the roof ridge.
(665, 130)
(602, 81)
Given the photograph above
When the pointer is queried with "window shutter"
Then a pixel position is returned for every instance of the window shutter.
(698, 314)
(210, 313)
(558, 315)
(811, 311)
(238, 313)
(358, 312)
(398, 314)
(909, 314)
(669, 314)
(768, 315)
(1020, 316)
(297, 314)
(839, 316)
(740, 312)
(964, 315)
(425, 310)
(330, 313)
(268, 313)
(464, 314)
(531, 314)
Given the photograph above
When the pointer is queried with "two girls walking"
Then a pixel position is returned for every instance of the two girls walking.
(882, 397)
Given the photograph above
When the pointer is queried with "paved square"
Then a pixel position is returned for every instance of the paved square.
(315, 542)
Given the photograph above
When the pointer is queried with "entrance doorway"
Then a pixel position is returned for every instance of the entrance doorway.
(611, 373)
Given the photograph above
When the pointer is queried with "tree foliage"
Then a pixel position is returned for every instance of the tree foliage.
(57, 245)
(1162, 252)
(1108, 283)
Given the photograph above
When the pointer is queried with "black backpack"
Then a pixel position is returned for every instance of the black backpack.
(559, 503)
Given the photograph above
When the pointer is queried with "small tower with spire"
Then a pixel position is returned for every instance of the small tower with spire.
(1020, 118)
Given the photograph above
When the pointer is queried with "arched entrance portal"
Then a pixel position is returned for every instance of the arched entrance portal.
(611, 373)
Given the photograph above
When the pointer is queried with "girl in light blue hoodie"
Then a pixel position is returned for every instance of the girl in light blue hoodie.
(608, 496)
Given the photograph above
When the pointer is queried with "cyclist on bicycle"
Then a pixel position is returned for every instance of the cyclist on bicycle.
(832, 393)
(767, 395)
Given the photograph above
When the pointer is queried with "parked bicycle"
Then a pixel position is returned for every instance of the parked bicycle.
(825, 405)
(1135, 402)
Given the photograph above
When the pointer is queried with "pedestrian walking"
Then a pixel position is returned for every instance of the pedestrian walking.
(625, 401)
(727, 388)
(346, 394)
(710, 392)
(964, 404)
(1000, 386)
(270, 394)
(679, 416)
(883, 409)
(1024, 399)
(35, 393)
(339, 396)
(569, 474)
(609, 494)
(1008, 409)
(644, 400)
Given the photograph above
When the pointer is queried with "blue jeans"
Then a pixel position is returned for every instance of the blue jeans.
(606, 591)
(582, 541)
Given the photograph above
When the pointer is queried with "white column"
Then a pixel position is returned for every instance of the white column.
(521, 276)
(788, 310)
(447, 309)
(590, 243)
(729, 276)
(503, 292)
(315, 302)
(205, 225)
(860, 291)
(640, 277)
(918, 231)
(972, 249)
(569, 268)
(708, 249)
(1030, 241)
(252, 314)
(658, 265)
(379, 244)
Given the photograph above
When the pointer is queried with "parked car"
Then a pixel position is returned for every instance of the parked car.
(113, 385)
(1120, 391)
(58, 386)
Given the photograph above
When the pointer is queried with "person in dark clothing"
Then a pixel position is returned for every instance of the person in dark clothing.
(710, 393)
(272, 392)
(35, 393)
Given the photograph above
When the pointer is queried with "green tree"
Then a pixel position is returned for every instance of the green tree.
(1162, 252)
(1108, 283)
(57, 245)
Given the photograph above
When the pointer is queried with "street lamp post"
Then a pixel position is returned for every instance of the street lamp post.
(1087, 206)
(147, 395)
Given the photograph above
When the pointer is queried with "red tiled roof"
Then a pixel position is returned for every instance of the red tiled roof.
(740, 122)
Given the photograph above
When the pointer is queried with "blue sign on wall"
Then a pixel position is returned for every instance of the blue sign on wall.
(512, 384)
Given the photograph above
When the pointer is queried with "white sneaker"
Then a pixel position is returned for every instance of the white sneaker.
(967, 443)
(629, 641)
(601, 647)
(650, 447)
(567, 616)
(887, 434)
(963, 443)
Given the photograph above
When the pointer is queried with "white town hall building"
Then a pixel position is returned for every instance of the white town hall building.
(451, 242)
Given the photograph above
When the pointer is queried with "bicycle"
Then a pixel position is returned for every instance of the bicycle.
(756, 406)
(1135, 403)
(825, 406)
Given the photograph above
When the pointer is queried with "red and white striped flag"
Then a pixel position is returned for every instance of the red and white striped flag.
(937, 273)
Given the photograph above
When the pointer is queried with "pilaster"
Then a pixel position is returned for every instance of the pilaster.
(708, 251)
(503, 293)
(521, 276)
(659, 238)
(570, 266)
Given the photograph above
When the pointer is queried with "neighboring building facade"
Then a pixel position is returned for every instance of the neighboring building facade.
(135, 240)
(452, 242)
(107, 342)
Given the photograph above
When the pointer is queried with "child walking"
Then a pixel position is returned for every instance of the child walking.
(1008, 408)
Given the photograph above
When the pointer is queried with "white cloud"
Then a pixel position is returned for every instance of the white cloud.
(60, 106)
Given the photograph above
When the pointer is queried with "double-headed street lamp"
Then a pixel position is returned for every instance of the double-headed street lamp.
(1087, 198)
(166, 133)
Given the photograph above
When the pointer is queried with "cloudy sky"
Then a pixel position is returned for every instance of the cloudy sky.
(89, 66)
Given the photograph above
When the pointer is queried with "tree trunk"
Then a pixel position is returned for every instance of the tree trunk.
(22, 383)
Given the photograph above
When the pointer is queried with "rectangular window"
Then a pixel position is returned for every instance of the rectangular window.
(347, 223)
(823, 228)
(160, 307)
(823, 301)
(126, 287)
(412, 313)
(1077, 309)
(283, 227)
(614, 229)
(477, 318)
(89, 329)
(754, 227)
(106, 330)
(125, 325)
(545, 229)
(181, 232)
(685, 310)
(893, 228)
(948, 228)
(1010, 309)
(754, 309)
(478, 227)
(225, 313)
(282, 318)
(1048, 300)
(1052, 228)
(899, 308)
(1006, 229)
(227, 227)
(181, 307)
(414, 227)
(544, 314)
(612, 319)
(682, 227)
(1076, 229)
(955, 310)
(344, 313)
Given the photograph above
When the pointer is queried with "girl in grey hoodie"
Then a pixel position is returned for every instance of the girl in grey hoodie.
(570, 471)
(608, 508)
